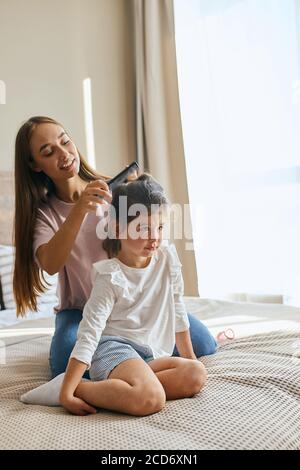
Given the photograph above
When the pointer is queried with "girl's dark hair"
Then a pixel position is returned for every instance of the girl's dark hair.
(144, 190)
(32, 188)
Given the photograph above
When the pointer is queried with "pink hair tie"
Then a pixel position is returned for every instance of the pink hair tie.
(226, 334)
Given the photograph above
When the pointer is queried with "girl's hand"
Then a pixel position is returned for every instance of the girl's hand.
(77, 406)
(95, 193)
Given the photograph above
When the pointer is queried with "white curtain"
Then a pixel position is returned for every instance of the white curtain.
(238, 70)
(158, 124)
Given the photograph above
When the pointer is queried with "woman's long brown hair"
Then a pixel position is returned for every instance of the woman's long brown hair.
(31, 189)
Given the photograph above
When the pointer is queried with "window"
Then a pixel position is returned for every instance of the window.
(238, 71)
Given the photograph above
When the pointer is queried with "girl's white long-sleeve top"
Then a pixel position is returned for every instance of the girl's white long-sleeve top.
(143, 305)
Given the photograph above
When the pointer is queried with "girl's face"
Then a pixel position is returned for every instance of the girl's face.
(144, 235)
(53, 152)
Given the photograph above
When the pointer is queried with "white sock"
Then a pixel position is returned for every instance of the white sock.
(46, 394)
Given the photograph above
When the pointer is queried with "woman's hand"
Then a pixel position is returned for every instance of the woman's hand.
(95, 193)
(77, 406)
(53, 255)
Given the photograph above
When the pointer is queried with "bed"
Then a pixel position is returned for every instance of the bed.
(251, 399)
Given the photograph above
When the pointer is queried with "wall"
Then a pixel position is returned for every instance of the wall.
(46, 50)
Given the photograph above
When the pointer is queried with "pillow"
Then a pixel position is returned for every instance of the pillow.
(6, 276)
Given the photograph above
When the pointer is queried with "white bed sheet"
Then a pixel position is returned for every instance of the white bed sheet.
(8, 317)
(244, 318)
(251, 399)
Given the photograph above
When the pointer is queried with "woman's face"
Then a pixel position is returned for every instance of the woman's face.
(53, 152)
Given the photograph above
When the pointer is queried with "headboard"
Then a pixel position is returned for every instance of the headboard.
(7, 201)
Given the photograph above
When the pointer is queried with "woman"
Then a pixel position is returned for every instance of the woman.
(57, 197)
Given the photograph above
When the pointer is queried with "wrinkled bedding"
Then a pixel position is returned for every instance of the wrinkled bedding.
(251, 399)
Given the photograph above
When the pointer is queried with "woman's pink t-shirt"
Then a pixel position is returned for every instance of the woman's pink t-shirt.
(74, 279)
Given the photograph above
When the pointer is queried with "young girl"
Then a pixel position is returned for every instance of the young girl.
(55, 231)
(133, 317)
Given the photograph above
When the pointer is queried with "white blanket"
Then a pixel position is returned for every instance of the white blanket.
(251, 400)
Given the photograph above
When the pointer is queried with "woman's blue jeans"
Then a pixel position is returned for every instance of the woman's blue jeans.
(65, 336)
